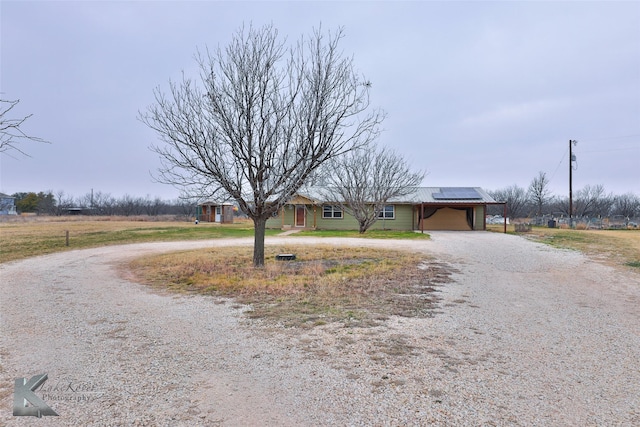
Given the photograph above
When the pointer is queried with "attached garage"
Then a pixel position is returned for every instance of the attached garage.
(447, 219)
(453, 208)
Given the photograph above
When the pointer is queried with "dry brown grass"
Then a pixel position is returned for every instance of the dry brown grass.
(23, 237)
(324, 284)
(613, 247)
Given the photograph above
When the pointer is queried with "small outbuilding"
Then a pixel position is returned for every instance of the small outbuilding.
(221, 212)
(7, 205)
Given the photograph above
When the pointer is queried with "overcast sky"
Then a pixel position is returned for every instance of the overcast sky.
(477, 93)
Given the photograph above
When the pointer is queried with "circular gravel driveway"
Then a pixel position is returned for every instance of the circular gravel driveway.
(524, 335)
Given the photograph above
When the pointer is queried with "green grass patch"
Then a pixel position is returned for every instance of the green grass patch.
(569, 239)
(369, 234)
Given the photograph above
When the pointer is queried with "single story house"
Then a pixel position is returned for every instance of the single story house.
(7, 205)
(211, 211)
(425, 208)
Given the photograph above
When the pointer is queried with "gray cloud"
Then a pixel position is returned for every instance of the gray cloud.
(477, 93)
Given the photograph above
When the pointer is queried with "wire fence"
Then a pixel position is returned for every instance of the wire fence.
(616, 222)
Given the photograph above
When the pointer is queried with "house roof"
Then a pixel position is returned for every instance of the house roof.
(449, 195)
(215, 203)
(419, 195)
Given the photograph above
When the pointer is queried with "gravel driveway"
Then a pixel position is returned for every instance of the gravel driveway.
(524, 335)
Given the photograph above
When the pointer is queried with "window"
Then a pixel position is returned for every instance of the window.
(388, 212)
(330, 211)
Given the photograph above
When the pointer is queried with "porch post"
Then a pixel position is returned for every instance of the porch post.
(505, 218)
(282, 216)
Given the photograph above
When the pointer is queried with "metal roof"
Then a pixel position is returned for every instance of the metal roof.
(458, 195)
(215, 203)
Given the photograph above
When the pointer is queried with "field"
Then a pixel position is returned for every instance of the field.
(45, 235)
(42, 235)
(614, 247)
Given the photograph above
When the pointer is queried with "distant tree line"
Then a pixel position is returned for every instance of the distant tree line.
(98, 203)
(536, 200)
(591, 201)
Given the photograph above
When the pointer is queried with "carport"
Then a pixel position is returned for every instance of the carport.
(454, 208)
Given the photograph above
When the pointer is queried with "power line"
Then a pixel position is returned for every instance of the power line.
(608, 150)
(559, 164)
(612, 150)
(608, 138)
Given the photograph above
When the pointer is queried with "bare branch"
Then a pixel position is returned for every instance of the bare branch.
(362, 182)
(539, 191)
(261, 119)
(11, 133)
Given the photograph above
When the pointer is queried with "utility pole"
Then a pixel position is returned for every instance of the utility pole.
(571, 160)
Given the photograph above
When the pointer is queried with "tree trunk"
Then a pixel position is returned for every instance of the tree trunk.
(259, 225)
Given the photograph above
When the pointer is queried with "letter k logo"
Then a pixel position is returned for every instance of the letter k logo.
(23, 393)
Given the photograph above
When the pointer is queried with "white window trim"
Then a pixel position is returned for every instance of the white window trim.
(334, 210)
(382, 213)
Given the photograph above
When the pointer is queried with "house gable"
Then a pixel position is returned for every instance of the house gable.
(299, 199)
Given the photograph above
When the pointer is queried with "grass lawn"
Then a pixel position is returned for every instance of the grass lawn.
(370, 234)
(615, 247)
(46, 235)
(357, 286)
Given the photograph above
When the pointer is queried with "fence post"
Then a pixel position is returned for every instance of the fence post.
(67, 238)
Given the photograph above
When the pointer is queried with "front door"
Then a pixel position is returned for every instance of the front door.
(300, 216)
(218, 213)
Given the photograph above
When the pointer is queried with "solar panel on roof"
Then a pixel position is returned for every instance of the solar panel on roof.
(457, 193)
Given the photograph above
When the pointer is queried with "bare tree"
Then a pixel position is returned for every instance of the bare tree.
(129, 205)
(262, 118)
(103, 203)
(539, 192)
(516, 199)
(592, 201)
(11, 133)
(62, 202)
(363, 181)
(153, 207)
(627, 205)
(184, 208)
